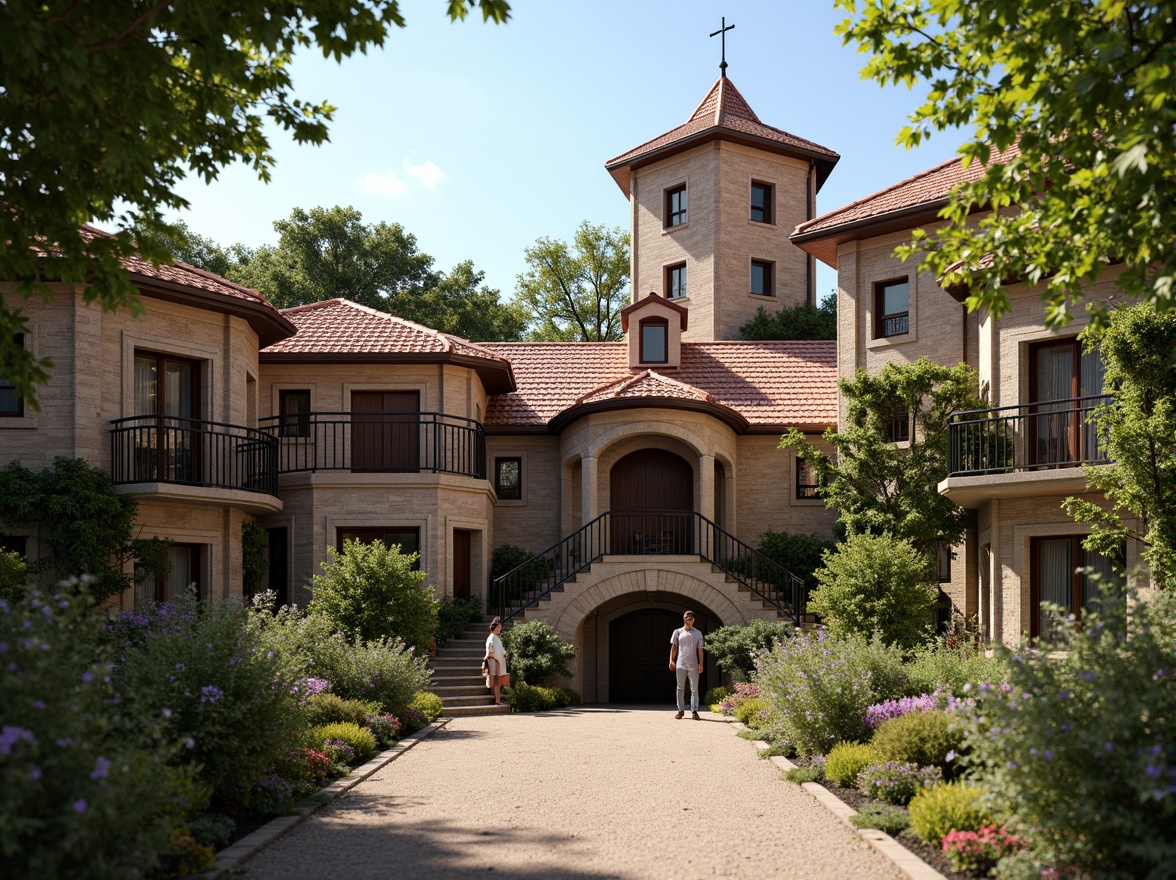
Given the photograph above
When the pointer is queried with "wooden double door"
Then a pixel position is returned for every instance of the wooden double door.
(386, 431)
(639, 654)
(651, 496)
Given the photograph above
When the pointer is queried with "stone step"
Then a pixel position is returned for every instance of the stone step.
(470, 711)
(484, 699)
(447, 692)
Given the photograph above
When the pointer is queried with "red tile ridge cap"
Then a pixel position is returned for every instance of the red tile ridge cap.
(621, 385)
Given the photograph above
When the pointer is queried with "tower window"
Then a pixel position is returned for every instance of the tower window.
(761, 202)
(761, 278)
(676, 281)
(13, 405)
(655, 341)
(675, 206)
(892, 308)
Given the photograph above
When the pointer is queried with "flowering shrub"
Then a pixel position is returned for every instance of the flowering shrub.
(1080, 745)
(428, 704)
(272, 795)
(310, 687)
(977, 852)
(819, 687)
(929, 739)
(949, 806)
(361, 740)
(384, 727)
(888, 709)
(896, 782)
(306, 769)
(743, 691)
(338, 751)
(412, 720)
(954, 660)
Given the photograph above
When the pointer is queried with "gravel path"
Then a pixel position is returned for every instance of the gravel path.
(586, 793)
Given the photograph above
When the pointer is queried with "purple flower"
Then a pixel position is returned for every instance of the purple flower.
(34, 772)
(11, 735)
(165, 712)
(210, 693)
(80, 806)
(101, 767)
(38, 704)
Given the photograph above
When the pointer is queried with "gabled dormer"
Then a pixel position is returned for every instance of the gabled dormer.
(653, 327)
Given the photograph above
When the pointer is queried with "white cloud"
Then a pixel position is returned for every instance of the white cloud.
(386, 184)
(427, 173)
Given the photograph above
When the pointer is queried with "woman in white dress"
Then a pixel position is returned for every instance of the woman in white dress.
(495, 662)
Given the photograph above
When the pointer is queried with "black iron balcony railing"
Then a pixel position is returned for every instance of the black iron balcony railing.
(646, 533)
(373, 442)
(192, 452)
(1029, 437)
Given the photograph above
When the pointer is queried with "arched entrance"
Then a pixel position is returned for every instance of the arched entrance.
(651, 496)
(639, 653)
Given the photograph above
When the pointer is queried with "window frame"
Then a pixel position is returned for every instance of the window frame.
(768, 208)
(882, 318)
(675, 211)
(1077, 569)
(661, 324)
(503, 491)
(806, 491)
(159, 588)
(293, 423)
(17, 410)
(769, 278)
(670, 272)
(898, 429)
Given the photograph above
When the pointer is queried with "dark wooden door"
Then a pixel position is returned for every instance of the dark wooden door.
(461, 564)
(651, 496)
(638, 657)
(385, 431)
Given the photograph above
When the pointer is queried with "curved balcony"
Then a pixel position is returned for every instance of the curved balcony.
(193, 452)
(374, 442)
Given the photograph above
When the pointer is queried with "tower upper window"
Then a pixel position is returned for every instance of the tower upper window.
(675, 206)
(761, 278)
(676, 281)
(761, 202)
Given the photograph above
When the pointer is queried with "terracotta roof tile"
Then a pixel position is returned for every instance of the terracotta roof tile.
(770, 384)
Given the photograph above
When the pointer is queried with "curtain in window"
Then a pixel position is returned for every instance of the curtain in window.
(1054, 577)
(1055, 382)
(1104, 575)
(1090, 382)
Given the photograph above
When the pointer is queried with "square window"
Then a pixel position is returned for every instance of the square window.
(294, 407)
(655, 341)
(11, 405)
(761, 278)
(508, 478)
(808, 485)
(761, 202)
(675, 214)
(676, 281)
(405, 537)
(891, 309)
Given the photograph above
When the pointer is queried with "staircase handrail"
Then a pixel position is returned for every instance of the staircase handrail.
(760, 574)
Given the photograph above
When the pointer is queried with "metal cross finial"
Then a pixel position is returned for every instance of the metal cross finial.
(723, 30)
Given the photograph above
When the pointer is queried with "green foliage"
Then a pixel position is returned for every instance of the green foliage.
(1084, 90)
(506, 557)
(370, 592)
(159, 93)
(230, 702)
(358, 738)
(85, 786)
(781, 749)
(949, 806)
(753, 712)
(576, 292)
(875, 583)
(878, 485)
(799, 553)
(428, 704)
(819, 687)
(800, 321)
(529, 698)
(455, 615)
(716, 694)
(954, 661)
(537, 652)
(801, 775)
(328, 708)
(925, 738)
(886, 818)
(734, 648)
(846, 760)
(896, 782)
(14, 576)
(254, 557)
(1138, 432)
(87, 528)
(1080, 745)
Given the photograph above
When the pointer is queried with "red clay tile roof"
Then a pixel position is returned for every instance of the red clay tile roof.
(769, 384)
(722, 112)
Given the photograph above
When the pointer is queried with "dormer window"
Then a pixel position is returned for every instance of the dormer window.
(655, 347)
(675, 206)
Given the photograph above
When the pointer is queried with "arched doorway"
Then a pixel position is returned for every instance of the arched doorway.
(639, 654)
(651, 496)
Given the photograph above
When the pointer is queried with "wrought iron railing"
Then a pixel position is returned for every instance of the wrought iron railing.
(192, 452)
(412, 442)
(1029, 437)
(646, 533)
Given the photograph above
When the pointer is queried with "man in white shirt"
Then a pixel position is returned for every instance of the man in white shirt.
(686, 661)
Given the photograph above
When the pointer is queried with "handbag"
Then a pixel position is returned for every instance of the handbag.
(485, 667)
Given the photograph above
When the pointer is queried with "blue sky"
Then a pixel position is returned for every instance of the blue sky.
(479, 139)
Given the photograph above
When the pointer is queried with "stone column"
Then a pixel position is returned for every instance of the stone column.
(588, 482)
(706, 486)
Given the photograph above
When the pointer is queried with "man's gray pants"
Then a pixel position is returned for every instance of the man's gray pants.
(681, 672)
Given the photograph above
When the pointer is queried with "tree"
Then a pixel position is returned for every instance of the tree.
(459, 303)
(1084, 90)
(576, 292)
(801, 321)
(1138, 431)
(891, 452)
(734, 648)
(105, 108)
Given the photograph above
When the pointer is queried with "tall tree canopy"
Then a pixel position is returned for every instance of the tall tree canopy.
(105, 107)
(1085, 89)
(575, 292)
(801, 321)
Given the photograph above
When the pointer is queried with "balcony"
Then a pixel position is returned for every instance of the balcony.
(372, 442)
(192, 452)
(1023, 450)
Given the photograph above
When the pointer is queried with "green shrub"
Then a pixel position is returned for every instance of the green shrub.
(1079, 747)
(537, 652)
(753, 712)
(896, 782)
(454, 616)
(875, 584)
(370, 592)
(384, 727)
(254, 556)
(85, 787)
(361, 740)
(14, 576)
(926, 738)
(846, 760)
(733, 648)
(819, 687)
(782, 749)
(950, 806)
(716, 695)
(800, 554)
(428, 704)
(953, 661)
(567, 697)
(328, 708)
(800, 775)
(886, 818)
(529, 698)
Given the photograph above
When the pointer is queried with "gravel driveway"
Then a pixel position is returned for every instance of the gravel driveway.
(582, 793)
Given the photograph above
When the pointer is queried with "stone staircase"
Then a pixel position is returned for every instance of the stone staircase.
(457, 675)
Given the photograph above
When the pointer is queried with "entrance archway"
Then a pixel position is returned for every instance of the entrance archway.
(639, 653)
(651, 496)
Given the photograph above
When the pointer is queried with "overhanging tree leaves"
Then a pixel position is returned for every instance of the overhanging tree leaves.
(576, 292)
(882, 486)
(1138, 429)
(105, 107)
(1085, 90)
